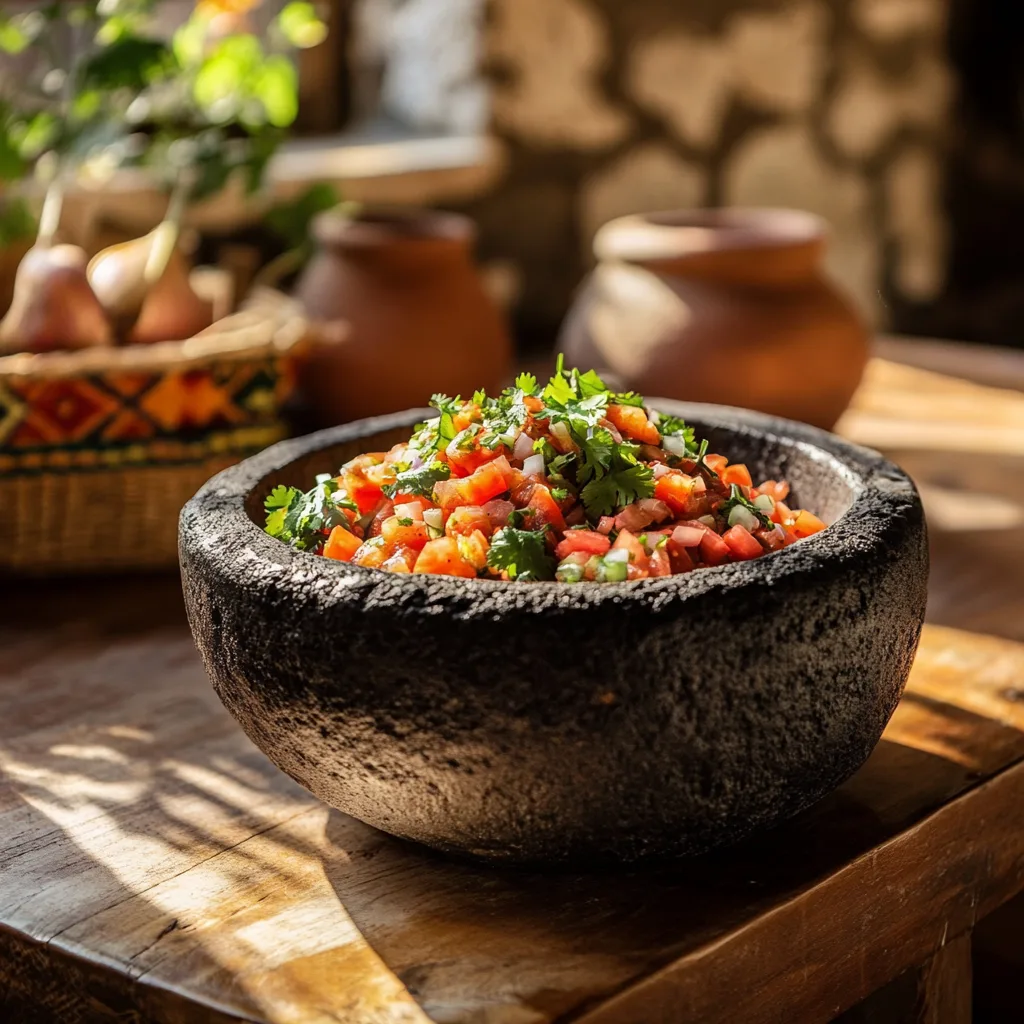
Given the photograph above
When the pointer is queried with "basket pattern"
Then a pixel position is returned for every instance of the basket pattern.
(100, 449)
(115, 419)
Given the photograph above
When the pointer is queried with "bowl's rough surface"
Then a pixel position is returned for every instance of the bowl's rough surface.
(549, 723)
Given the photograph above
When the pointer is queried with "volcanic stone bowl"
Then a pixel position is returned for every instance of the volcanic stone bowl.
(554, 723)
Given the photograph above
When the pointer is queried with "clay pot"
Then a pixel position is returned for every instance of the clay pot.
(726, 306)
(415, 314)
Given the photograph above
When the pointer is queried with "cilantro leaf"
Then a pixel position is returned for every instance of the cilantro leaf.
(589, 384)
(418, 481)
(673, 426)
(627, 398)
(620, 487)
(527, 383)
(523, 554)
(301, 519)
(598, 450)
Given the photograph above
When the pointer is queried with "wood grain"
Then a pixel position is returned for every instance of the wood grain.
(944, 985)
(155, 867)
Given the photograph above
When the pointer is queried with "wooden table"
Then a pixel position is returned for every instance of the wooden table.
(155, 867)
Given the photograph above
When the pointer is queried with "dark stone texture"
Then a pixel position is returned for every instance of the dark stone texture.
(547, 723)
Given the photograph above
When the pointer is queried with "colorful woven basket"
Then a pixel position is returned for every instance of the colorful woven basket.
(99, 449)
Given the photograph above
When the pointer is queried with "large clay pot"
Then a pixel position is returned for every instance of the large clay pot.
(415, 316)
(726, 306)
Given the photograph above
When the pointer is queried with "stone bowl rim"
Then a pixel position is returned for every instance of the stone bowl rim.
(880, 490)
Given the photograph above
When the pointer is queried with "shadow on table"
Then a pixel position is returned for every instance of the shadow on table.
(461, 936)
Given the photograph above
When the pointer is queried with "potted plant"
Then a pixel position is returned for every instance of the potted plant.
(154, 398)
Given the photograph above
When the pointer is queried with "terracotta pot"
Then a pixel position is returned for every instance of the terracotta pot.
(725, 306)
(415, 314)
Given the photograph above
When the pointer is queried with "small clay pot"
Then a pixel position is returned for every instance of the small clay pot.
(727, 306)
(412, 313)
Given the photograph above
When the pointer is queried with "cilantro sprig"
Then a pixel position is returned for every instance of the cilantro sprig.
(300, 518)
(523, 554)
(418, 481)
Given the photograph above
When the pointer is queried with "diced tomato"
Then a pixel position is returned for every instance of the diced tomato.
(467, 518)
(588, 541)
(637, 554)
(396, 563)
(713, 549)
(371, 553)
(576, 516)
(779, 491)
(379, 476)
(466, 460)
(442, 557)
(680, 559)
(498, 511)
(341, 545)
(513, 477)
(807, 524)
(660, 563)
(533, 404)
(367, 496)
(737, 474)
(467, 415)
(447, 494)
(676, 490)
(543, 510)
(716, 463)
(473, 549)
(743, 545)
(486, 483)
(631, 421)
(409, 534)
(385, 509)
(773, 539)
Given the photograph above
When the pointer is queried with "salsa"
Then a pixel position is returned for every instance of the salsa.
(565, 481)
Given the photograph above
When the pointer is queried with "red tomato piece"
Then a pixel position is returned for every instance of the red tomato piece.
(631, 421)
(467, 518)
(447, 493)
(588, 541)
(713, 549)
(737, 474)
(367, 496)
(465, 461)
(442, 557)
(397, 533)
(676, 490)
(807, 524)
(778, 491)
(468, 415)
(498, 511)
(637, 554)
(473, 549)
(341, 545)
(486, 483)
(743, 545)
(543, 510)
(716, 463)
(371, 553)
(660, 564)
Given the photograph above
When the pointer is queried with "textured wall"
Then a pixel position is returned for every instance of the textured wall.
(610, 107)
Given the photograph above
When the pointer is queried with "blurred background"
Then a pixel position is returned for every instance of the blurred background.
(898, 121)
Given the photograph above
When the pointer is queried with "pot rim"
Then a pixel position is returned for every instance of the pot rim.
(385, 227)
(668, 235)
(217, 530)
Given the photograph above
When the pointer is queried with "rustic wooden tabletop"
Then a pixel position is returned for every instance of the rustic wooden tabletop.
(155, 867)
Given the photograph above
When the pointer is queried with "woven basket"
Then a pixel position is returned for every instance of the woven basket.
(99, 449)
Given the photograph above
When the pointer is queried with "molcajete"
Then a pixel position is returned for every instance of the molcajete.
(567, 724)
(728, 306)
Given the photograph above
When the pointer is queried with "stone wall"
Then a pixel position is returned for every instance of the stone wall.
(610, 107)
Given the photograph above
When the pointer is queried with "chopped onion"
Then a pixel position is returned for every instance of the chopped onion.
(687, 536)
(523, 448)
(699, 487)
(434, 518)
(410, 510)
(656, 509)
(707, 521)
(740, 516)
(765, 502)
(617, 555)
(534, 465)
(675, 444)
(498, 511)
(606, 524)
(653, 416)
(660, 470)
